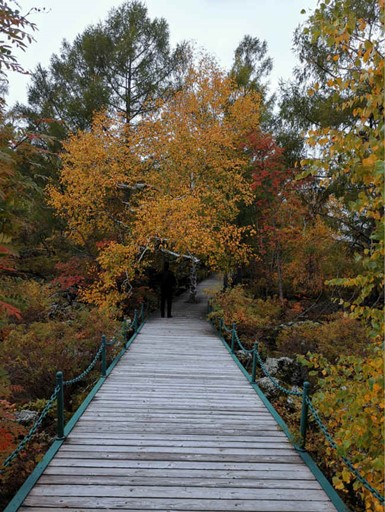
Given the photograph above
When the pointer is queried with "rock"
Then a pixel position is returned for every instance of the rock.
(243, 357)
(292, 402)
(26, 416)
(285, 369)
(268, 388)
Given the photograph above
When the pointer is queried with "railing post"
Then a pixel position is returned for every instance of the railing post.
(135, 321)
(103, 356)
(233, 333)
(254, 368)
(60, 406)
(141, 315)
(304, 415)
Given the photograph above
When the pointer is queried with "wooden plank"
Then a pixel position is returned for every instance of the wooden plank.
(79, 448)
(207, 493)
(218, 422)
(170, 410)
(172, 456)
(177, 481)
(287, 466)
(166, 504)
(238, 477)
(120, 441)
(156, 436)
(171, 430)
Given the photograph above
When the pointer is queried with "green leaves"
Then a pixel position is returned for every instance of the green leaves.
(17, 29)
(121, 65)
(352, 156)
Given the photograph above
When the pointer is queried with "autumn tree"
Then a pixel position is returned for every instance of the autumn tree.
(348, 36)
(17, 32)
(342, 46)
(171, 182)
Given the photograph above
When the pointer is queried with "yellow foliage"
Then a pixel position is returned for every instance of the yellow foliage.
(350, 400)
(173, 179)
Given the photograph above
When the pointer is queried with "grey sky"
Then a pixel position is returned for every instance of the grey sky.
(215, 25)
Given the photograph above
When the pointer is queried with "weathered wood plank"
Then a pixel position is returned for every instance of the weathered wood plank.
(89, 503)
(177, 481)
(239, 477)
(208, 493)
(120, 441)
(171, 455)
(289, 467)
(78, 448)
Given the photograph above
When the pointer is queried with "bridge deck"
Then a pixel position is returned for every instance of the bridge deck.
(176, 426)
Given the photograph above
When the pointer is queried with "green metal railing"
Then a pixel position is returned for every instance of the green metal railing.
(307, 404)
(58, 393)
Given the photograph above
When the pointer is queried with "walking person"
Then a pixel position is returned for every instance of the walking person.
(167, 285)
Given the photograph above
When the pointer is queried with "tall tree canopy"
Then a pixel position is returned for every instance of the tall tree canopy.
(118, 64)
(251, 70)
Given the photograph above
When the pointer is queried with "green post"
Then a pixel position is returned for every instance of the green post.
(220, 326)
(233, 333)
(60, 406)
(304, 415)
(135, 320)
(104, 358)
(254, 369)
(141, 312)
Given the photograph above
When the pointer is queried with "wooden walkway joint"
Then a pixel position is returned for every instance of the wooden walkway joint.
(176, 426)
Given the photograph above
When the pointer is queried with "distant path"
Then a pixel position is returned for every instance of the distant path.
(176, 426)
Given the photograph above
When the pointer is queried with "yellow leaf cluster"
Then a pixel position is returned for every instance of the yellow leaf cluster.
(175, 177)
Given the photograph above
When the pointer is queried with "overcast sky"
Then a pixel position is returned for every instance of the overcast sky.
(215, 25)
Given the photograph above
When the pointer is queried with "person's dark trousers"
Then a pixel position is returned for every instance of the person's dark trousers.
(165, 299)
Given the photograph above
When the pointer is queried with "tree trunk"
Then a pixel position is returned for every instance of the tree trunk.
(193, 282)
(279, 271)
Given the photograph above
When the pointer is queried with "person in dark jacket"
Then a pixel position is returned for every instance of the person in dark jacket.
(167, 285)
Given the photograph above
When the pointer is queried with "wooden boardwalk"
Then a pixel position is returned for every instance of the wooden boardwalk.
(177, 427)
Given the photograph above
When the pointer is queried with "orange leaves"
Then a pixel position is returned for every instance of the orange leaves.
(97, 169)
(10, 310)
(196, 173)
(10, 429)
(176, 175)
